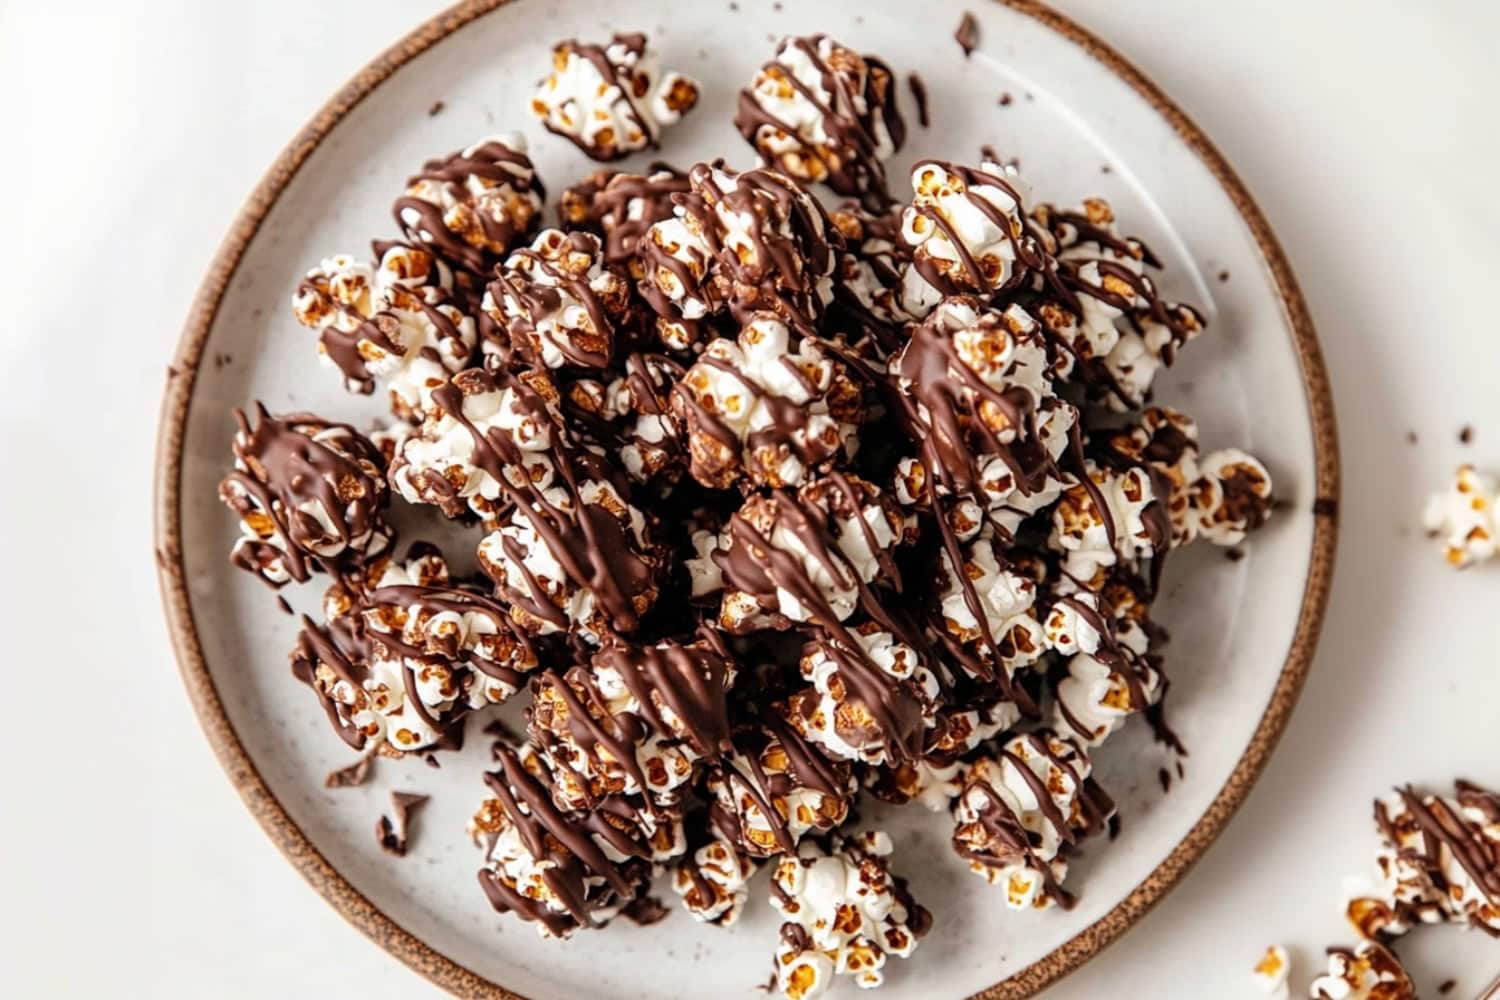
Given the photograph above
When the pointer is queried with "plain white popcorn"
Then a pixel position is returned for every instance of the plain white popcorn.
(1369, 972)
(391, 323)
(1018, 809)
(966, 230)
(1135, 526)
(714, 882)
(1463, 517)
(846, 914)
(1271, 972)
(611, 100)
(744, 389)
(438, 465)
(558, 302)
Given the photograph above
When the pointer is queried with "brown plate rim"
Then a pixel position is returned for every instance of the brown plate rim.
(443, 971)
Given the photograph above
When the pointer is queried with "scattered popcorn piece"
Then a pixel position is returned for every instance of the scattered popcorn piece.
(1369, 972)
(1464, 518)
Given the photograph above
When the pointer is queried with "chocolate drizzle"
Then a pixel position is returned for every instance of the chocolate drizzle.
(856, 108)
(531, 285)
(630, 84)
(473, 239)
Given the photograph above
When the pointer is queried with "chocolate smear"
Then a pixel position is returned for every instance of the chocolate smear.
(353, 775)
(919, 95)
(967, 34)
(394, 831)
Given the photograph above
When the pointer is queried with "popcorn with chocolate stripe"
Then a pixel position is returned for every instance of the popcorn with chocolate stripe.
(967, 234)
(620, 207)
(485, 432)
(865, 683)
(846, 914)
(1439, 862)
(1463, 518)
(867, 294)
(714, 882)
(1110, 673)
(1232, 496)
(818, 111)
(1367, 972)
(776, 788)
(1132, 525)
(565, 869)
(634, 720)
(765, 408)
(393, 322)
(988, 608)
(558, 302)
(611, 100)
(805, 556)
(310, 495)
(1021, 810)
(473, 207)
(631, 415)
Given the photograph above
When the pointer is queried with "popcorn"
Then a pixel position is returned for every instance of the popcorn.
(821, 112)
(935, 785)
(1369, 972)
(756, 407)
(1166, 441)
(806, 557)
(846, 915)
(1100, 279)
(574, 559)
(675, 276)
(611, 100)
(565, 870)
(484, 435)
(558, 302)
(870, 703)
(631, 416)
(967, 232)
(634, 720)
(1232, 496)
(979, 394)
(392, 322)
(774, 248)
(1020, 810)
(1133, 524)
(619, 208)
(867, 294)
(714, 882)
(1103, 689)
(1439, 862)
(472, 207)
(1271, 972)
(775, 788)
(988, 609)
(1464, 518)
(310, 494)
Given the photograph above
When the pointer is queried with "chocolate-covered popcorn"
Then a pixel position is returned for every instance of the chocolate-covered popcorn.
(611, 100)
(1366, 972)
(473, 207)
(619, 207)
(819, 111)
(310, 495)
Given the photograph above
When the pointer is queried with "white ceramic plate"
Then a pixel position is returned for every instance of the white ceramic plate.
(1038, 89)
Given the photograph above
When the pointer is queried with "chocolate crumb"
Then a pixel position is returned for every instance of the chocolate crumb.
(919, 94)
(645, 911)
(1325, 507)
(1165, 777)
(1223, 275)
(1411, 437)
(1114, 826)
(1447, 986)
(1233, 555)
(393, 832)
(1029, 96)
(1006, 100)
(776, 6)
(281, 602)
(1466, 435)
(1105, 168)
(734, 7)
(967, 34)
(353, 776)
(988, 152)
(1179, 769)
(436, 109)
(432, 762)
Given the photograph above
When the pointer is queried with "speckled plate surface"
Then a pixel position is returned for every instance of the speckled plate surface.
(1080, 121)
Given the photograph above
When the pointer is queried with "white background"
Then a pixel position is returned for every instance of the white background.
(129, 137)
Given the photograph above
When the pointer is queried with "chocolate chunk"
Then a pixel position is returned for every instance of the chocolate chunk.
(394, 832)
(967, 34)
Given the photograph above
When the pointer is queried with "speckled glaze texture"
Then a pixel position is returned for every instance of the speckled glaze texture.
(453, 977)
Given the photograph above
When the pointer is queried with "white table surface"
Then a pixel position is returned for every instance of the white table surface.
(131, 134)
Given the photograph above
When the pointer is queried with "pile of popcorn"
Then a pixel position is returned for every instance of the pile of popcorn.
(773, 507)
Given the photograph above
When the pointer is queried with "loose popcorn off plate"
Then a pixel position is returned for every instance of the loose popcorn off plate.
(1037, 88)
